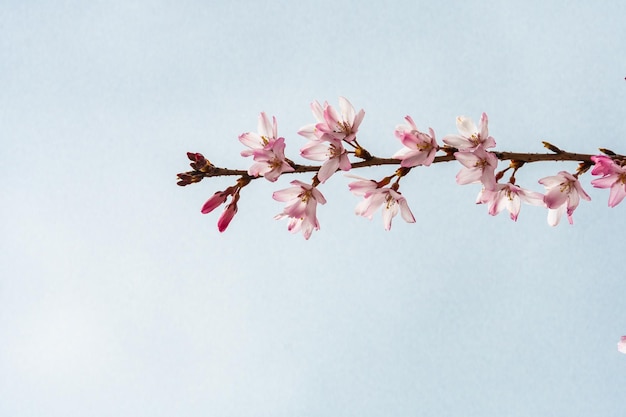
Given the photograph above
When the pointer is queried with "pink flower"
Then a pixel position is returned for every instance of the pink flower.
(270, 160)
(375, 197)
(331, 151)
(266, 132)
(603, 165)
(613, 177)
(301, 207)
(420, 148)
(621, 345)
(508, 196)
(563, 193)
(478, 166)
(470, 137)
(332, 124)
(267, 150)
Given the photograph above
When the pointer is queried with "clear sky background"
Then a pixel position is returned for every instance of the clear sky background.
(117, 297)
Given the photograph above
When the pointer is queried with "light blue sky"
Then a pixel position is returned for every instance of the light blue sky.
(117, 297)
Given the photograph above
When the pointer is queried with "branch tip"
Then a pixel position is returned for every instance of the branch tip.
(607, 151)
(551, 147)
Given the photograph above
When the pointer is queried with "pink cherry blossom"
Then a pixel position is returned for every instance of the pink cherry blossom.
(331, 151)
(266, 132)
(613, 177)
(470, 137)
(341, 125)
(621, 345)
(508, 196)
(478, 167)
(563, 194)
(375, 197)
(420, 148)
(301, 207)
(603, 165)
(267, 150)
(270, 160)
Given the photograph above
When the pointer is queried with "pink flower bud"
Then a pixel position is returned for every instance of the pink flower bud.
(226, 217)
(215, 201)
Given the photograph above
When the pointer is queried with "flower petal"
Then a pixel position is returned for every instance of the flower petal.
(466, 126)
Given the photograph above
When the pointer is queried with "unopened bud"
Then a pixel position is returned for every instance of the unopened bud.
(200, 163)
(186, 179)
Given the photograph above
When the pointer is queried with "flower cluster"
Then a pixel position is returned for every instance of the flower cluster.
(327, 136)
(267, 150)
(563, 191)
(479, 165)
(419, 148)
(332, 142)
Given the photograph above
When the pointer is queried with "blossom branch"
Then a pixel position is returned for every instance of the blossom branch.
(332, 141)
(213, 171)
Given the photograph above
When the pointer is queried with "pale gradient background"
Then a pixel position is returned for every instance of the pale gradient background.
(118, 298)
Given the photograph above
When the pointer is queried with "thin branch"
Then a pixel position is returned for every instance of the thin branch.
(209, 170)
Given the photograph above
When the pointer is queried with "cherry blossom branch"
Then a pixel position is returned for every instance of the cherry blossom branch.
(213, 171)
(332, 139)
